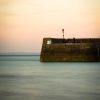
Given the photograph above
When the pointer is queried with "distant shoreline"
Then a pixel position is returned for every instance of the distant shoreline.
(19, 54)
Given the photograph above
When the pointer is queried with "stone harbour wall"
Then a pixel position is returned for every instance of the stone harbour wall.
(70, 50)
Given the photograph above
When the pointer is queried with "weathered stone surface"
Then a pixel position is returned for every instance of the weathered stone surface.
(70, 50)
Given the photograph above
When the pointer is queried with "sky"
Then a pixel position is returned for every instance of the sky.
(24, 23)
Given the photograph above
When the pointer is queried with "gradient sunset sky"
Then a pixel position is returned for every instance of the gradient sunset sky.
(24, 23)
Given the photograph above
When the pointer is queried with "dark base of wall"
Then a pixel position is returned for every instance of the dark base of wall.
(69, 58)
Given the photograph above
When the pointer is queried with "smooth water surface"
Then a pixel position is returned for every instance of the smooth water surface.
(26, 78)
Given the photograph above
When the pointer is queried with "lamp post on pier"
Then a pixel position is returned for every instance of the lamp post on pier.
(63, 33)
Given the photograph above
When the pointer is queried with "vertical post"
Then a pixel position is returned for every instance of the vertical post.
(98, 53)
(98, 50)
(63, 33)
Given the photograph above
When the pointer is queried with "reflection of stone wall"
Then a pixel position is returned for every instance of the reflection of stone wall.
(66, 50)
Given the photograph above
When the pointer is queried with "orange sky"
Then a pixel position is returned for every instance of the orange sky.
(23, 23)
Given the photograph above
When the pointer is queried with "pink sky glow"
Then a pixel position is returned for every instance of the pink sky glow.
(24, 23)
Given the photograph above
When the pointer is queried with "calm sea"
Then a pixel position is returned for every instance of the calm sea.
(26, 78)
